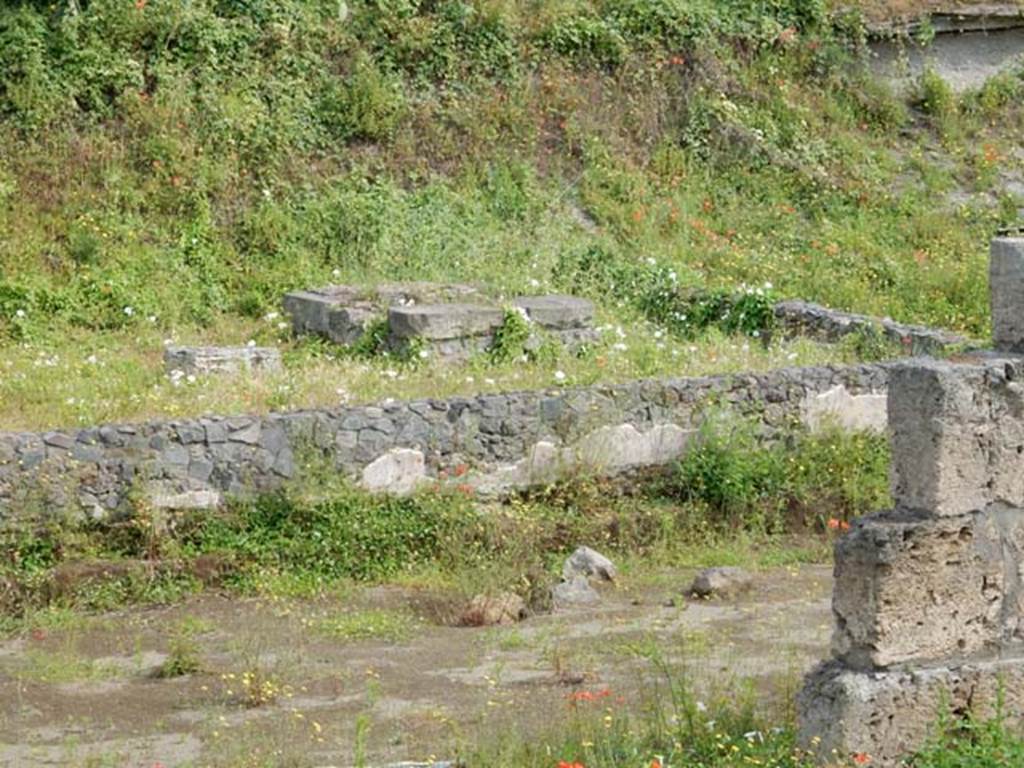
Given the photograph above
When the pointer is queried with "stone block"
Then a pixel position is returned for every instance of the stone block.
(923, 589)
(1006, 289)
(557, 312)
(866, 412)
(439, 322)
(886, 715)
(310, 310)
(230, 360)
(399, 471)
(957, 436)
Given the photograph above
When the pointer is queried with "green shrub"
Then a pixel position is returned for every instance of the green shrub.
(742, 483)
(935, 97)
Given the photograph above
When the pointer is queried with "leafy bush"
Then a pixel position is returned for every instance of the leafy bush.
(742, 483)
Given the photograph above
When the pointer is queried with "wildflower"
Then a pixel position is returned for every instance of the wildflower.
(861, 758)
(282, 325)
(336, 273)
(251, 343)
(559, 375)
(534, 282)
(655, 763)
(424, 354)
(151, 318)
(271, 316)
(129, 311)
(91, 360)
(20, 313)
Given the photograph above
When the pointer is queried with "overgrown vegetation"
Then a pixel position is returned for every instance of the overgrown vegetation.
(304, 540)
(189, 162)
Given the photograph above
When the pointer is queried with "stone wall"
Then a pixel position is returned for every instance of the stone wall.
(802, 318)
(490, 443)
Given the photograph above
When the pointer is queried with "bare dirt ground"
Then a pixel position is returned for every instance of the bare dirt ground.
(89, 693)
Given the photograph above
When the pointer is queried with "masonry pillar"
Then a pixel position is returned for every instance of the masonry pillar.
(928, 600)
(1006, 281)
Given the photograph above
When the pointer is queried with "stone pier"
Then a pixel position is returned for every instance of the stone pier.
(929, 596)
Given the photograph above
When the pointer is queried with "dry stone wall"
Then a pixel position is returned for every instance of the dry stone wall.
(490, 443)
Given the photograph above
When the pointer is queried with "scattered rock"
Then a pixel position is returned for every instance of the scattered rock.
(231, 360)
(489, 610)
(725, 581)
(587, 562)
(573, 593)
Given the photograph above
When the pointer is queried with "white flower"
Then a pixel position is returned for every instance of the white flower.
(391, 373)
(152, 318)
(534, 282)
(620, 347)
(559, 375)
(489, 382)
(651, 261)
(470, 380)
(658, 334)
(768, 286)
(424, 354)
(266, 193)
(91, 360)
(20, 313)
(129, 311)
(388, 400)
(168, 342)
(272, 316)
(282, 325)
(70, 401)
(672, 276)
(620, 333)
(251, 343)
(336, 272)
(756, 334)
(791, 356)
(191, 378)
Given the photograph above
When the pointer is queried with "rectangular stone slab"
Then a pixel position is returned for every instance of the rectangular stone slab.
(886, 715)
(205, 360)
(957, 435)
(1006, 288)
(309, 310)
(438, 322)
(925, 589)
(557, 312)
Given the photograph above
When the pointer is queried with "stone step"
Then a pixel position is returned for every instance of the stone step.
(440, 322)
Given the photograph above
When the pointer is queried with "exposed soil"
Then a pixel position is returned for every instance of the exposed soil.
(90, 695)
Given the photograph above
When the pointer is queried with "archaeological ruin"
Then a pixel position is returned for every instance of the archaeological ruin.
(928, 597)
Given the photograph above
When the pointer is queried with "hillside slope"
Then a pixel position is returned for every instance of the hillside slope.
(170, 169)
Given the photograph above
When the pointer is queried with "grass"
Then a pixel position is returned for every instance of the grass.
(370, 624)
(730, 500)
(229, 154)
(118, 376)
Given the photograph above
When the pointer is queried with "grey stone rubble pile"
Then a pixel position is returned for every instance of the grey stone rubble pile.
(180, 361)
(802, 318)
(929, 596)
(452, 322)
(507, 441)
